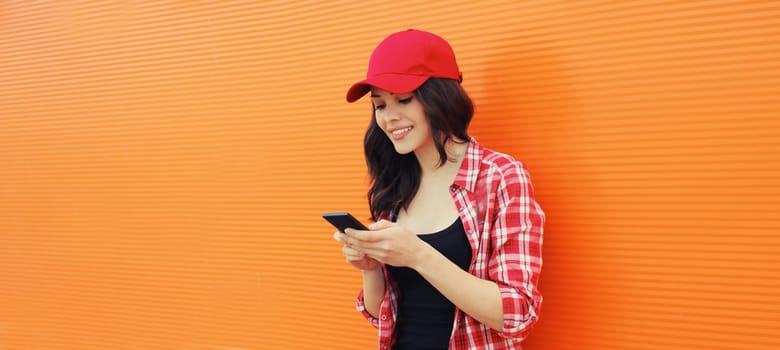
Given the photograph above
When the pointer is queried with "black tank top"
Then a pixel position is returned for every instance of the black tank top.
(425, 316)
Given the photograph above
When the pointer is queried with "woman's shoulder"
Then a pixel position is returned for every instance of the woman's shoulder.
(493, 168)
(502, 162)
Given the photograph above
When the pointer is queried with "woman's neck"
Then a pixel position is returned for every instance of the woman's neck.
(430, 159)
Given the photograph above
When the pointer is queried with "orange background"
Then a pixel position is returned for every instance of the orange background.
(163, 167)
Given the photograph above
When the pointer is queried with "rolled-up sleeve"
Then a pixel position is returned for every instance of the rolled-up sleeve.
(516, 259)
(360, 305)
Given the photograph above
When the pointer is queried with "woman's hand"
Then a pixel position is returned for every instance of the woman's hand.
(356, 258)
(388, 243)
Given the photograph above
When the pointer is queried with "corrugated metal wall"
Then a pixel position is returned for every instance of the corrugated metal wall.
(163, 166)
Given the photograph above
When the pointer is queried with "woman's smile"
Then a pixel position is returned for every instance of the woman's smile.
(398, 134)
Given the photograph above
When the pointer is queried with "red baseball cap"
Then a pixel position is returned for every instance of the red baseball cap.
(404, 61)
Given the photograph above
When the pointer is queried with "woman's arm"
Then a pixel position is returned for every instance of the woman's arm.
(370, 298)
(516, 249)
(479, 298)
(392, 244)
(373, 290)
(508, 300)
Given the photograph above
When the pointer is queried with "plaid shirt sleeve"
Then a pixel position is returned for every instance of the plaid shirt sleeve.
(388, 312)
(516, 241)
(360, 305)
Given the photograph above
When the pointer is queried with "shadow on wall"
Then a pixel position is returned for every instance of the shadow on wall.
(530, 111)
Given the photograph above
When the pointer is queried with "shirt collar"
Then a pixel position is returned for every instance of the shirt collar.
(469, 168)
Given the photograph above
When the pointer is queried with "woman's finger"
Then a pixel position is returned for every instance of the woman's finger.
(340, 237)
(381, 224)
(349, 251)
(355, 258)
(343, 238)
(378, 254)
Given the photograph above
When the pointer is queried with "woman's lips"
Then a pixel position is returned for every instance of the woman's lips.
(400, 133)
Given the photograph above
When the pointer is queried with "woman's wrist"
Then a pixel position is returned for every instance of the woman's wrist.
(375, 271)
(424, 256)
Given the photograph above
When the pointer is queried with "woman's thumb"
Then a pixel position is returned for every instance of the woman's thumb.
(379, 225)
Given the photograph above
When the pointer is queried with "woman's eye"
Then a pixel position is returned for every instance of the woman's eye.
(379, 107)
(406, 100)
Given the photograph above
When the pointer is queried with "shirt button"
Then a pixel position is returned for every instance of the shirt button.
(453, 188)
(384, 317)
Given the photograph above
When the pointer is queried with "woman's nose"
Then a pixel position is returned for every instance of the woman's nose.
(391, 113)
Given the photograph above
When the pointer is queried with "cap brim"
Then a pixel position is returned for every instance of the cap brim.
(395, 83)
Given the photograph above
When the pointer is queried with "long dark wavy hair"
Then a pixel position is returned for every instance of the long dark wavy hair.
(394, 177)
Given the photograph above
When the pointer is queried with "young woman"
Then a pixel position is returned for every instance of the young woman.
(453, 259)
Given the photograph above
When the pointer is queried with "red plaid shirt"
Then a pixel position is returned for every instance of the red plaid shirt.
(504, 224)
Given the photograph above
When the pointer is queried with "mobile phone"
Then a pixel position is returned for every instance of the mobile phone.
(343, 221)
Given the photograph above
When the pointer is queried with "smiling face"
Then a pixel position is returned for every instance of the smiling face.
(402, 118)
